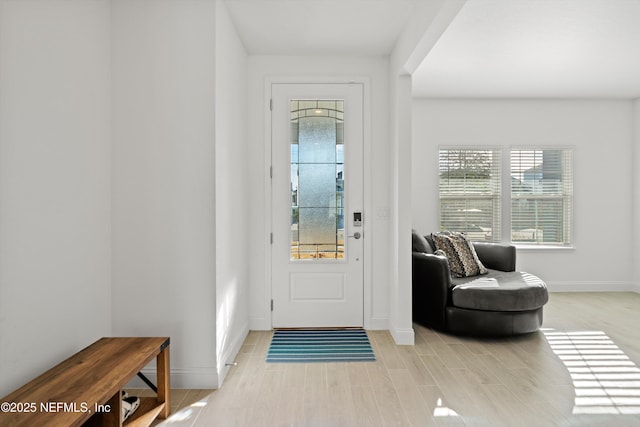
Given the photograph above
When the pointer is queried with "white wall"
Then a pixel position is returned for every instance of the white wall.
(400, 295)
(55, 231)
(636, 195)
(164, 175)
(601, 132)
(376, 176)
(232, 197)
(417, 39)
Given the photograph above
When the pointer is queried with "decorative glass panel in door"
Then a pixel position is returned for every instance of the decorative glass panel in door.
(317, 179)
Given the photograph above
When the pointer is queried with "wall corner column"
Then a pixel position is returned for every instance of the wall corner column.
(400, 319)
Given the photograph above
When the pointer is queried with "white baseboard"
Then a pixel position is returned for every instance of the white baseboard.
(402, 336)
(259, 324)
(199, 378)
(195, 378)
(580, 286)
(378, 324)
(230, 353)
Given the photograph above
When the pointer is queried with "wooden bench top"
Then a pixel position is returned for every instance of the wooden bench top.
(90, 377)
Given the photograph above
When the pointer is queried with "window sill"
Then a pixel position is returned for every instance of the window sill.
(524, 247)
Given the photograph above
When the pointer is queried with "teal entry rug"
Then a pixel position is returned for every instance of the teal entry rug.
(320, 345)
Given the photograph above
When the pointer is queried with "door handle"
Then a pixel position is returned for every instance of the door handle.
(356, 235)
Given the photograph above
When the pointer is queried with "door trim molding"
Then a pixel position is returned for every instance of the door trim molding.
(367, 190)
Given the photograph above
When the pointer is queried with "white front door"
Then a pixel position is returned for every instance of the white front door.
(317, 205)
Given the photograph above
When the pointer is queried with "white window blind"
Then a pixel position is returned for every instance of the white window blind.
(542, 196)
(470, 192)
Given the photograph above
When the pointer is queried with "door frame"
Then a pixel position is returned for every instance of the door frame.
(367, 179)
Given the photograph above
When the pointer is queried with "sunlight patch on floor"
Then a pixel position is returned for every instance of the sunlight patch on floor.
(443, 411)
(186, 414)
(605, 380)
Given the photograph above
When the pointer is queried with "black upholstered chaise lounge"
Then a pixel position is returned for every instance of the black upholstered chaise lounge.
(502, 302)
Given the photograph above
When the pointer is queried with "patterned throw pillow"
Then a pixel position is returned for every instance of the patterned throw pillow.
(445, 244)
(481, 268)
(463, 260)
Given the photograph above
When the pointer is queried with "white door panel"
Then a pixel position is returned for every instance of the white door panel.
(317, 187)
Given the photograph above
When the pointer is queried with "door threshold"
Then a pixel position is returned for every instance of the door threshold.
(320, 328)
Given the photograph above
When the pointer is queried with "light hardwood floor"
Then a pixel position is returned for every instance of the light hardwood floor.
(581, 369)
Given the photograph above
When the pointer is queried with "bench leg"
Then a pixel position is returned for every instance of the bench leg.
(164, 382)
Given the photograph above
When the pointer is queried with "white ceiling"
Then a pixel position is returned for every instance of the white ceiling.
(320, 27)
(492, 48)
(536, 48)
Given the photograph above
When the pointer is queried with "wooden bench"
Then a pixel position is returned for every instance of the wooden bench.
(86, 388)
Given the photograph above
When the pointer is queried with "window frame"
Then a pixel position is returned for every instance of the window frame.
(505, 196)
(566, 196)
(497, 218)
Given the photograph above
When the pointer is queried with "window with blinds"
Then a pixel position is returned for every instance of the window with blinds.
(470, 192)
(541, 196)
